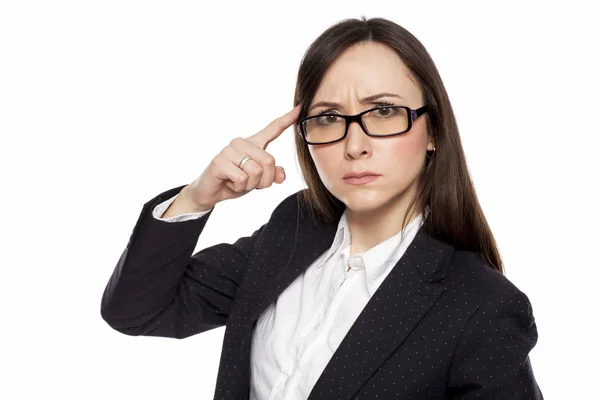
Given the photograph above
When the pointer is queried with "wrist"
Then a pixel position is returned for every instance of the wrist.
(192, 204)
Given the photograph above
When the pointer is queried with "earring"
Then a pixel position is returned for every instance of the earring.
(428, 155)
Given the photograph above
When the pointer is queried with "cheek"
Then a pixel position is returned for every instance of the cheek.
(325, 161)
(404, 154)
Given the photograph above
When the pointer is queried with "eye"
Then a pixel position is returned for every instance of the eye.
(327, 119)
(383, 112)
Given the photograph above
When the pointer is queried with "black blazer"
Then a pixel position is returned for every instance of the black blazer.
(442, 325)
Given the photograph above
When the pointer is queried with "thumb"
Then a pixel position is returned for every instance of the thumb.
(279, 174)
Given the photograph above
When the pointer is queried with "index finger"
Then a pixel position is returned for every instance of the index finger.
(275, 128)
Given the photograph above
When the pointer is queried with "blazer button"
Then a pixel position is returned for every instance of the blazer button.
(427, 289)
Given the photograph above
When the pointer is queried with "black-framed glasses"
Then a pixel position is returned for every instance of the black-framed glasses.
(380, 121)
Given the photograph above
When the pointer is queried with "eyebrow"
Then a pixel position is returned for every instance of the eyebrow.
(364, 100)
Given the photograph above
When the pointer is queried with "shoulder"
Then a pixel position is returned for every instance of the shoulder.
(289, 206)
(290, 201)
(474, 279)
(497, 334)
(284, 216)
(496, 307)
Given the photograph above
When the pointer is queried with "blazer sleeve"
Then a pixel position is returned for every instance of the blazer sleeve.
(492, 358)
(158, 288)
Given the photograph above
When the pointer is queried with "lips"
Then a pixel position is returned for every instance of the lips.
(359, 174)
(361, 181)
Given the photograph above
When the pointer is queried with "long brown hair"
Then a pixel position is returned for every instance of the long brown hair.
(445, 186)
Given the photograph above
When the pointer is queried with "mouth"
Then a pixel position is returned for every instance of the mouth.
(360, 178)
(359, 174)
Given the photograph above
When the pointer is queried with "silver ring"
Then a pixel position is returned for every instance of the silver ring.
(244, 161)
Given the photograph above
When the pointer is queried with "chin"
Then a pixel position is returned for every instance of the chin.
(361, 199)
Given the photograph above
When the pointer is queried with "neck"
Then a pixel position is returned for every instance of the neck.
(368, 229)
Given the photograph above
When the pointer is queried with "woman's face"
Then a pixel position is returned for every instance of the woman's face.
(365, 70)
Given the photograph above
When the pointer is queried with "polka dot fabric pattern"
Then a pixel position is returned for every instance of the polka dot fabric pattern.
(442, 325)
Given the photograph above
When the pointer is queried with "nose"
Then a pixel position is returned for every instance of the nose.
(358, 143)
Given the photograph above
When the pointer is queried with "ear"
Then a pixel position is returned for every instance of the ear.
(430, 143)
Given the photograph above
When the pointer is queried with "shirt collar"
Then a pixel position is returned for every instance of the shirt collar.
(342, 235)
(381, 258)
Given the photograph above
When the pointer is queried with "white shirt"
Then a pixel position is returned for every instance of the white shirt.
(296, 336)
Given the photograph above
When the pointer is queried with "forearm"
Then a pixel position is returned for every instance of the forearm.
(183, 205)
(149, 273)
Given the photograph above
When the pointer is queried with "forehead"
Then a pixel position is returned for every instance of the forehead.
(365, 69)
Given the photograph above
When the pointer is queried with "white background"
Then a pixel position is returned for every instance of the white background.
(105, 104)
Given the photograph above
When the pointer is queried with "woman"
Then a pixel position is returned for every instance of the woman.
(381, 280)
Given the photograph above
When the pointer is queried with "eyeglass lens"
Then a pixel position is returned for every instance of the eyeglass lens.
(381, 121)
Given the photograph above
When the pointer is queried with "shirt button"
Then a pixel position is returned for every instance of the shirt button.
(356, 262)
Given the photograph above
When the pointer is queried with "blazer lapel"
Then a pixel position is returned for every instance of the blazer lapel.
(394, 310)
(308, 241)
(401, 301)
